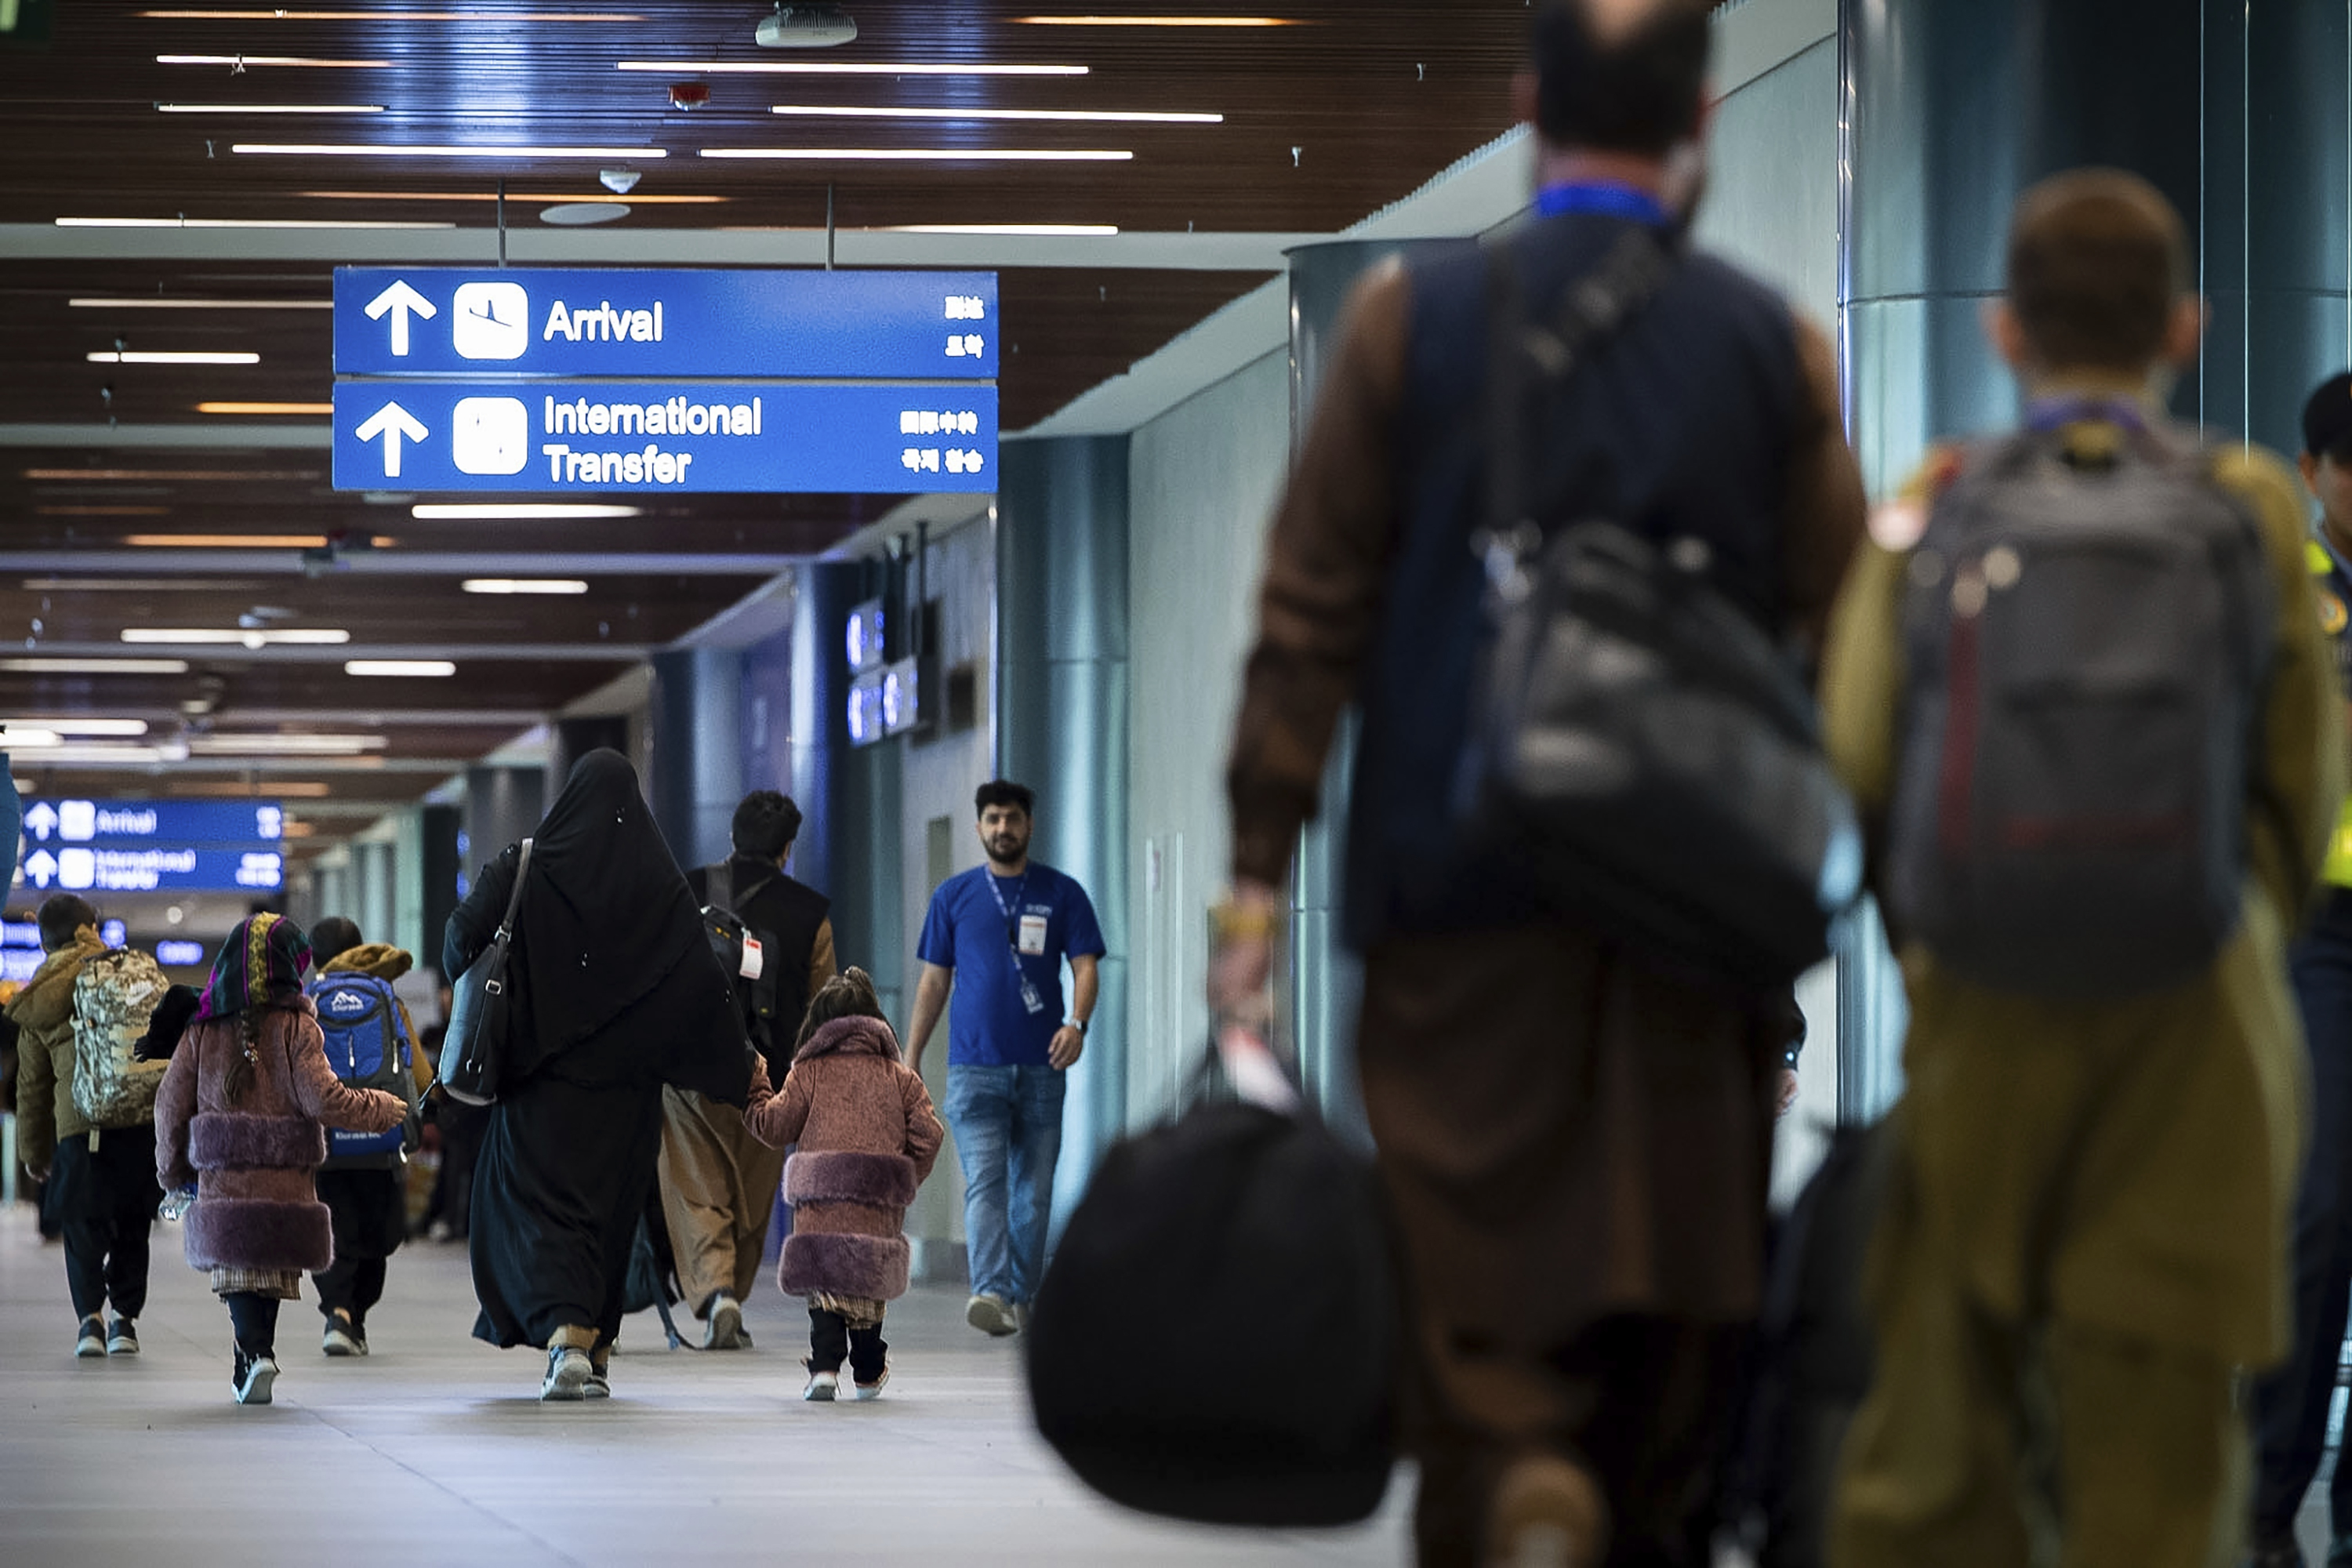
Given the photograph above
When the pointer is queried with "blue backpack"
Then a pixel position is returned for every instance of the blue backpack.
(368, 1047)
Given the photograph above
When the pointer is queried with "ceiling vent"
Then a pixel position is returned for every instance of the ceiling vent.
(806, 27)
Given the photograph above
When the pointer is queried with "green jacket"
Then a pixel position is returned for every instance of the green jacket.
(43, 1011)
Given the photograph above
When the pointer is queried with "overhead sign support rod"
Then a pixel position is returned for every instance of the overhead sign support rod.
(828, 226)
(502, 220)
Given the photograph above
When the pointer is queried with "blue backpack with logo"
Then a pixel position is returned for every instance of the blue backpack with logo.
(368, 1047)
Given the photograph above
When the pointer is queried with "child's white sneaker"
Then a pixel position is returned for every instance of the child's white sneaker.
(822, 1387)
(862, 1392)
(254, 1376)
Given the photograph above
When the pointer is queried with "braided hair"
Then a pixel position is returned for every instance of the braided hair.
(248, 1059)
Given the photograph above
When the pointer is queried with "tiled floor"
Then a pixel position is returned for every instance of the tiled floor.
(435, 1450)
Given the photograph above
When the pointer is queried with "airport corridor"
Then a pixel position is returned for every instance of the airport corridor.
(435, 1449)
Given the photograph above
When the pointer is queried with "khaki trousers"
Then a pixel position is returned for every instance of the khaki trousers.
(718, 1187)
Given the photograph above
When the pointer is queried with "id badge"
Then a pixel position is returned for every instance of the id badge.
(1029, 997)
(1032, 936)
(755, 958)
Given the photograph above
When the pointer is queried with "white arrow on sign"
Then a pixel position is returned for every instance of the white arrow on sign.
(42, 868)
(42, 820)
(400, 299)
(392, 422)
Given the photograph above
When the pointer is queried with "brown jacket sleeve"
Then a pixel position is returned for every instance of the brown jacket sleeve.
(824, 964)
(1823, 511)
(924, 1133)
(777, 1121)
(38, 1076)
(1325, 571)
(325, 1098)
(175, 1106)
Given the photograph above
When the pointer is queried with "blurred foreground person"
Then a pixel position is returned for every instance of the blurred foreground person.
(1575, 1137)
(615, 994)
(242, 1115)
(2079, 689)
(2291, 1406)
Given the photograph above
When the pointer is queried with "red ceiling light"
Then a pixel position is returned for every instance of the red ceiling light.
(689, 94)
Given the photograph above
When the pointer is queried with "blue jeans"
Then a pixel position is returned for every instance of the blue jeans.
(1008, 1131)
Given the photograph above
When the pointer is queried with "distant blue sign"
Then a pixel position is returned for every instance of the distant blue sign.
(680, 323)
(585, 438)
(180, 954)
(129, 823)
(175, 868)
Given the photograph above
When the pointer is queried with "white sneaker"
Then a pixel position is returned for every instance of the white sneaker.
(260, 1373)
(822, 1387)
(569, 1373)
(90, 1339)
(862, 1392)
(991, 1316)
(724, 1331)
(341, 1339)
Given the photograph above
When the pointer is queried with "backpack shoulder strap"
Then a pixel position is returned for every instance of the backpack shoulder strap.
(718, 887)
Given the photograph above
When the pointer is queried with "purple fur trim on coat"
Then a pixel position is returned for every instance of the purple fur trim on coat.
(246, 1233)
(874, 1266)
(227, 1140)
(846, 1176)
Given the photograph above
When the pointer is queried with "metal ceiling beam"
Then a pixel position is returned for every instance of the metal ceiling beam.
(319, 434)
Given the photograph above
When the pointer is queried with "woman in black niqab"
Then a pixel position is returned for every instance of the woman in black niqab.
(616, 992)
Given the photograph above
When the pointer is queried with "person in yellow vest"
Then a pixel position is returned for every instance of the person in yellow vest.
(2291, 1405)
(2085, 1228)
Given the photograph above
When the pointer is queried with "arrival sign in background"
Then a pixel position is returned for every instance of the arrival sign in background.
(154, 846)
(555, 382)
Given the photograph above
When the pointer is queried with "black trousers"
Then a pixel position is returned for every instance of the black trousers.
(106, 1207)
(833, 1341)
(255, 1319)
(370, 1213)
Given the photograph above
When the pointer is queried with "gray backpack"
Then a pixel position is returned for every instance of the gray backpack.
(2086, 649)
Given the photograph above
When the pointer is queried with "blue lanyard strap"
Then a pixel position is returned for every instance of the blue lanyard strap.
(1606, 197)
(2056, 413)
(1012, 911)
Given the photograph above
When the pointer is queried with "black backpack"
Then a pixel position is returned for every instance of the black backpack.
(1239, 1214)
(747, 954)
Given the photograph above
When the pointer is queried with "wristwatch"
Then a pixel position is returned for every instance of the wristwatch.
(1078, 1024)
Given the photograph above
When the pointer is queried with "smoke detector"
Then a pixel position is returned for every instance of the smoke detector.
(620, 182)
(689, 94)
(805, 27)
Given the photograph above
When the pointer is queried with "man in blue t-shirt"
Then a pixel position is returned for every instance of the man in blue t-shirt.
(997, 934)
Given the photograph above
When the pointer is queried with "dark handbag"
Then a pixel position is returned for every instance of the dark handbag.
(1252, 1218)
(473, 1050)
(1639, 742)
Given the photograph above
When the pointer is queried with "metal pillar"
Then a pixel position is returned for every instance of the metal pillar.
(697, 765)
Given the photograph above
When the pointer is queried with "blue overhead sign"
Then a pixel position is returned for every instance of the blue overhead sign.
(159, 868)
(579, 437)
(138, 824)
(677, 323)
(154, 846)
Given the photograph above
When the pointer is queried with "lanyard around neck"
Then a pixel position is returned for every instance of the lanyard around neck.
(1604, 196)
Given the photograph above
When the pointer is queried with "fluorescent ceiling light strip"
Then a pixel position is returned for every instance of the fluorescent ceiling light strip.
(485, 15)
(113, 727)
(1089, 116)
(137, 302)
(269, 108)
(399, 149)
(264, 745)
(468, 511)
(635, 198)
(839, 68)
(1043, 230)
(241, 541)
(304, 61)
(94, 666)
(924, 155)
(523, 585)
(1099, 21)
(159, 356)
(29, 736)
(240, 222)
(308, 637)
(417, 667)
(264, 408)
(99, 753)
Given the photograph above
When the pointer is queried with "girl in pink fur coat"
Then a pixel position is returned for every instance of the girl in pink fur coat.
(867, 1137)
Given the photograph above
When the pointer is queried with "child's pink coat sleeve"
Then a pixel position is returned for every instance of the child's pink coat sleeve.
(777, 1120)
(924, 1133)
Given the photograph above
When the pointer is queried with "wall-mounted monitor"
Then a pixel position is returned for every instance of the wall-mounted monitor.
(866, 722)
(866, 631)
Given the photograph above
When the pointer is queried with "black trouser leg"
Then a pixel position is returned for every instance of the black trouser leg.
(350, 1286)
(126, 1260)
(868, 1354)
(828, 1340)
(255, 1319)
(86, 1248)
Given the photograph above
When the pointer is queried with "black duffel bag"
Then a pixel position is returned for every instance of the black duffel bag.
(474, 1045)
(1217, 1337)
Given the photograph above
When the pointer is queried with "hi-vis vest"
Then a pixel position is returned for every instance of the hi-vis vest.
(2335, 595)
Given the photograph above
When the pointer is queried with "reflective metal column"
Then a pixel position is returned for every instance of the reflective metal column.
(696, 768)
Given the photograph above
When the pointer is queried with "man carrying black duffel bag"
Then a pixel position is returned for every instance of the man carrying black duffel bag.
(1573, 1120)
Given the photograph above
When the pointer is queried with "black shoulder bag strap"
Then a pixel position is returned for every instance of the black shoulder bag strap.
(495, 983)
(1627, 275)
(719, 887)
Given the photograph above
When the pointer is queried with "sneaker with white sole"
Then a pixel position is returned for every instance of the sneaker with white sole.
(991, 1316)
(569, 1373)
(822, 1387)
(862, 1392)
(600, 1380)
(90, 1339)
(343, 1337)
(254, 1378)
(122, 1337)
(724, 1331)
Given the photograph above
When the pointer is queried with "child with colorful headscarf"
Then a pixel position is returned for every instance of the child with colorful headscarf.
(239, 1115)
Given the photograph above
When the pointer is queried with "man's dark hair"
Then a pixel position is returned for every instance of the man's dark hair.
(1004, 792)
(62, 914)
(1634, 88)
(766, 824)
(2097, 258)
(333, 937)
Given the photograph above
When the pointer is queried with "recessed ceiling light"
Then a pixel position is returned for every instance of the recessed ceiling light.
(135, 303)
(485, 15)
(94, 666)
(418, 666)
(305, 61)
(1091, 116)
(310, 637)
(511, 195)
(264, 408)
(99, 754)
(1157, 22)
(30, 736)
(175, 475)
(1050, 230)
(278, 745)
(112, 727)
(583, 214)
(239, 223)
(158, 356)
(924, 155)
(839, 68)
(523, 585)
(420, 149)
(527, 511)
(269, 108)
